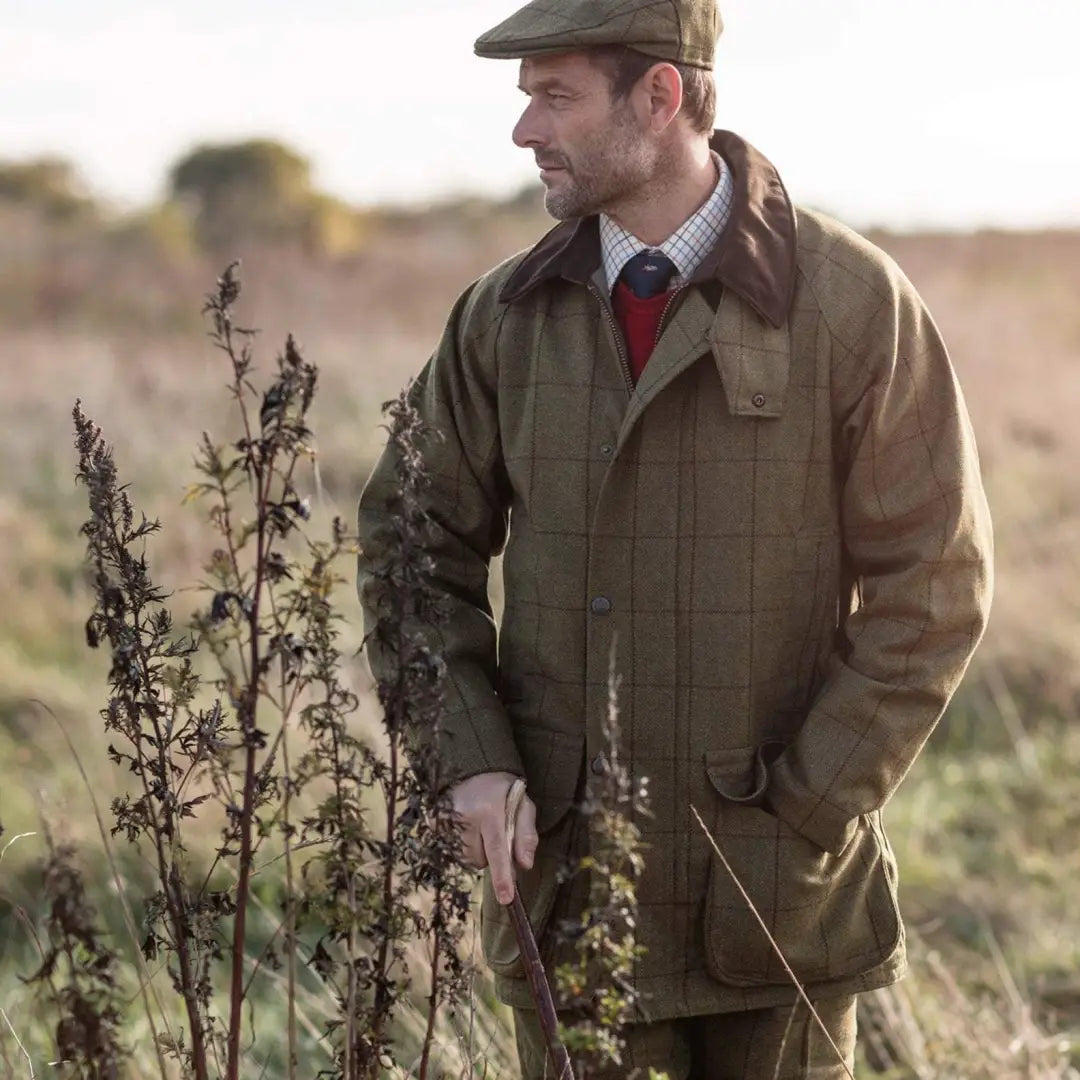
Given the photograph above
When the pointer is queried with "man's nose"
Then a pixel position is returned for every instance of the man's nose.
(528, 133)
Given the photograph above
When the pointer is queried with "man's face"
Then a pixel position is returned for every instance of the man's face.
(593, 153)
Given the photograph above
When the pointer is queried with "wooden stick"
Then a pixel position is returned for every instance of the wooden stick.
(539, 987)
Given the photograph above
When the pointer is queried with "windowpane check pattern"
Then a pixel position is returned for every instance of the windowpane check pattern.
(686, 247)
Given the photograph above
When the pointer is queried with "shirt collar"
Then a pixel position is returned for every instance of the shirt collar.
(755, 257)
(687, 246)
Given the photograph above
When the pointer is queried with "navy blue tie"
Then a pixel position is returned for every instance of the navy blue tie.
(648, 274)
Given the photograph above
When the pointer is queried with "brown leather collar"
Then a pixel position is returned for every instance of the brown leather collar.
(755, 256)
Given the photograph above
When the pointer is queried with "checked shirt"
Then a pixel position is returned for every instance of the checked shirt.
(687, 246)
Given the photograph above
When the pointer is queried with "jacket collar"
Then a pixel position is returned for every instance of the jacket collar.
(754, 257)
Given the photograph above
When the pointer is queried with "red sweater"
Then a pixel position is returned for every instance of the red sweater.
(640, 320)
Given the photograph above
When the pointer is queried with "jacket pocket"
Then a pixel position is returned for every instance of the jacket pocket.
(832, 916)
(552, 761)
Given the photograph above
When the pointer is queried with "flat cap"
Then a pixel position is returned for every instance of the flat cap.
(679, 31)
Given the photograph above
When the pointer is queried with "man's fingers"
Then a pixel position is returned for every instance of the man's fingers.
(525, 838)
(472, 848)
(498, 858)
(480, 805)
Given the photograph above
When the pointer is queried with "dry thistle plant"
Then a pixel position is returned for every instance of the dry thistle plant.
(595, 988)
(261, 749)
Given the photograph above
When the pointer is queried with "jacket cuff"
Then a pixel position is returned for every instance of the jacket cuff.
(476, 742)
(821, 822)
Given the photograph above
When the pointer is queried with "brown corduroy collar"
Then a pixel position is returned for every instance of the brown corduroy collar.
(755, 255)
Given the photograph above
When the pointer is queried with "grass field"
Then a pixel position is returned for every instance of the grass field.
(985, 824)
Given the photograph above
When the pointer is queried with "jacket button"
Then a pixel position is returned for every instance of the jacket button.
(607, 449)
(599, 765)
(758, 400)
(600, 605)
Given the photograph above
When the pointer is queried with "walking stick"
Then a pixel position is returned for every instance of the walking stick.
(534, 967)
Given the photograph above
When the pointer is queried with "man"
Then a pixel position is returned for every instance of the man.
(720, 432)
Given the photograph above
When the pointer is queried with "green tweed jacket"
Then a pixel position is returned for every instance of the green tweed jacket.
(782, 532)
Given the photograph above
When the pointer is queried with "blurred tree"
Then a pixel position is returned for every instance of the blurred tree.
(49, 185)
(260, 189)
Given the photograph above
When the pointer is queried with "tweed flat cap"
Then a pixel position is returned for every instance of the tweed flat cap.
(682, 31)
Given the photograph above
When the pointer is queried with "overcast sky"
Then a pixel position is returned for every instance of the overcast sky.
(899, 112)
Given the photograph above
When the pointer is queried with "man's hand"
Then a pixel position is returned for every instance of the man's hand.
(480, 803)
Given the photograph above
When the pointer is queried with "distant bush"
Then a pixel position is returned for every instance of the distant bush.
(49, 185)
(261, 190)
(160, 233)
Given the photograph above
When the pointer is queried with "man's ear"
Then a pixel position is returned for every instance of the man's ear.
(662, 91)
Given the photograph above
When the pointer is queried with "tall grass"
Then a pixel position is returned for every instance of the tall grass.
(983, 825)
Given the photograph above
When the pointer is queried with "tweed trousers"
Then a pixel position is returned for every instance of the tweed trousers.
(782, 1043)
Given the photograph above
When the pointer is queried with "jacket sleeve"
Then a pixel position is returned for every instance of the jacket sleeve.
(918, 551)
(467, 503)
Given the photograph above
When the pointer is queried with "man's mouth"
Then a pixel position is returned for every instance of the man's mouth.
(549, 173)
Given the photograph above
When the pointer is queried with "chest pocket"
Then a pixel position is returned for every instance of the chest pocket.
(753, 358)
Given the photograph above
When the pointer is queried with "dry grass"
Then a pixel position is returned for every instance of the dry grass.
(984, 823)
(1006, 304)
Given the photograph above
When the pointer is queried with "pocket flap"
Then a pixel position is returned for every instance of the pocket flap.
(753, 358)
(552, 761)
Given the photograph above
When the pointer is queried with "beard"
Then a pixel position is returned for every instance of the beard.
(603, 173)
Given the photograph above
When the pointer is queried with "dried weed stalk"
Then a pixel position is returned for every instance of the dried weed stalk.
(79, 973)
(160, 736)
(381, 888)
(595, 987)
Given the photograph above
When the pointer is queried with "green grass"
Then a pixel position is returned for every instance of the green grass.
(984, 840)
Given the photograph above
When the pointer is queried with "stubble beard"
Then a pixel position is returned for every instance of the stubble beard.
(601, 177)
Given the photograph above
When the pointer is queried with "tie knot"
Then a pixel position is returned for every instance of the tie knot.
(648, 274)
